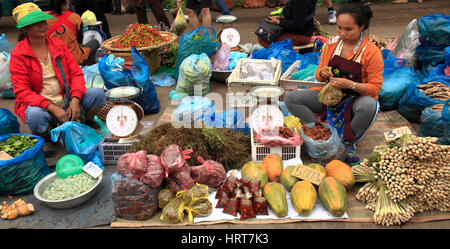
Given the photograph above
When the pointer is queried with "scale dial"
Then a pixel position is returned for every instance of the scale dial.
(266, 116)
(121, 120)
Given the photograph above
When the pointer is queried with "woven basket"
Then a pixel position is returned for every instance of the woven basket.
(151, 54)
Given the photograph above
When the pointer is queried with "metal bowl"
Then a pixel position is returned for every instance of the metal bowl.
(65, 203)
(221, 76)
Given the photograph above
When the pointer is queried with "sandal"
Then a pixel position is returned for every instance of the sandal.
(400, 1)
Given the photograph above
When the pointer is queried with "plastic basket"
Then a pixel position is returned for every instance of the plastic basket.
(110, 150)
(259, 151)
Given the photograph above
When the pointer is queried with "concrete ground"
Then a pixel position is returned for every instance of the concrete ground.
(389, 20)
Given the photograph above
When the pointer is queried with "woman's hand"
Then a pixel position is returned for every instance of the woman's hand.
(325, 73)
(74, 109)
(58, 112)
(273, 20)
(341, 83)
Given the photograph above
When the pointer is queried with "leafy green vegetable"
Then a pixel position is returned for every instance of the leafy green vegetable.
(16, 145)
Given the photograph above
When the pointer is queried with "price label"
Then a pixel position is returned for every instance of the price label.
(308, 174)
(93, 169)
(396, 133)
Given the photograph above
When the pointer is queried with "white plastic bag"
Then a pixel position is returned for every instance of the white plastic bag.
(409, 41)
(5, 76)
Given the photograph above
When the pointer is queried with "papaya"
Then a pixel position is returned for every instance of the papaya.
(342, 172)
(303, 197)
(333, 196)
(286, 179)
(274, 166)
(276, 197)
(318, 167)
(255, 170)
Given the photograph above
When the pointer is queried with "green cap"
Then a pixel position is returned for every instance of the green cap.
(33, 17)
(27, 14)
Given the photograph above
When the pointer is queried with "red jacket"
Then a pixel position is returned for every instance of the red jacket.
(26, 74)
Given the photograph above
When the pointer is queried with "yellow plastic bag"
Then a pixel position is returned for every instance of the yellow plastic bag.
(291, 121)
(180, 22)
(330, 95)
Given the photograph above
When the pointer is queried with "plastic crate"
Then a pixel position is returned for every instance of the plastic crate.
(110, 150)
(288, 84)
(259, 151)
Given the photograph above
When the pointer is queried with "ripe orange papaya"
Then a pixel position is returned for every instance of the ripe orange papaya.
(286, 179)
(342, 172)
(274, 166)
(276, 197)
(303, 197)
(255, 169)
(333, 196)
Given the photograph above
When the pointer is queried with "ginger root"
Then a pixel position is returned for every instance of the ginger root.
(18, 208)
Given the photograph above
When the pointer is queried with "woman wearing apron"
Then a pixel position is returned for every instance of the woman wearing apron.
(351, 62)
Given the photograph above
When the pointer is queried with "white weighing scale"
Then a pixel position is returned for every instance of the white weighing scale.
(267, 112)
(123, 119)
(94, 32)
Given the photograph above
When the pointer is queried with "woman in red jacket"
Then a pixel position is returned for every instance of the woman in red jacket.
(48, 83)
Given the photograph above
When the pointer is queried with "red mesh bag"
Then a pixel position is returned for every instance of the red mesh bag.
(260, 204)
(133, 165)
(232, 206)
(245, 181)
(210, 173)
(154, 174)
(173, 159)
(230, 184)
(181, 180)
(254, 186)
(219, 192)
(223, 200)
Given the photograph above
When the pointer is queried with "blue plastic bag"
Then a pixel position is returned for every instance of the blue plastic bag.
(20, 174)
(436, 124)
(391, 64)
(447, 56)
(192, 108)
(92, 76)
(437, 74)
(138, 76)
(163, 79)
(282, 50)
(200, 40)
(430, 54)
(79, 139)
(394, 86)
(5, 45)
(435, 29)
(414, 101)
(232, 118)
(113, 72)
(8, 122)
(234, 58)
(318, 149)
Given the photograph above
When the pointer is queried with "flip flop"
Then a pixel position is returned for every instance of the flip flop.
(400, 1)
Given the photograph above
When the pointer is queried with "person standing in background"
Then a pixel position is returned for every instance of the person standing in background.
(331, 11)
(196, 7)
(141, 11)
(96, 6)
(223, 7)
